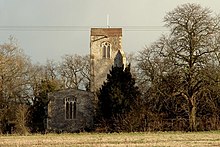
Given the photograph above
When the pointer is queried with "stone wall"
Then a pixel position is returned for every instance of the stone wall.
(100, 66)
(57, 121)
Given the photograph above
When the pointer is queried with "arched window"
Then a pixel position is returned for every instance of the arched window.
(70, 108)
(106, 50)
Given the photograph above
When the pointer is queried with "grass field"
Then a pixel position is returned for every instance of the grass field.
(114, 139)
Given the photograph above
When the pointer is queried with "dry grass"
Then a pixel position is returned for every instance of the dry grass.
(114, 139)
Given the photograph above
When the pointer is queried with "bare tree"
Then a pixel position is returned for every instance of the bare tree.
(191, 44)
(14, 81)
(187, 51)
(74, 71)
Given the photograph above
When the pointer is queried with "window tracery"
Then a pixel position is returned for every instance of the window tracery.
(70, 108)
(106, 50)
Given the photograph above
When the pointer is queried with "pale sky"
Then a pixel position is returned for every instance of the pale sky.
(50, 29)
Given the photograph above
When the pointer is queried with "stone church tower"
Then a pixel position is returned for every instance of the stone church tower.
(105, 51)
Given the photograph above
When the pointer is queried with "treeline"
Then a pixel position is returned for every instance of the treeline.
(179, 74)
(172, 84)
(178, 77)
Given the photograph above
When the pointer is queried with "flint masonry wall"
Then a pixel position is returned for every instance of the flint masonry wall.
(57, 121)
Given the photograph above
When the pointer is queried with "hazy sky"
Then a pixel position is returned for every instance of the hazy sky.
(50, 29)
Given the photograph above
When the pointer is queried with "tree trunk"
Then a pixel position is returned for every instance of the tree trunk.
(192, 111)
(192, 114)
(192, 118)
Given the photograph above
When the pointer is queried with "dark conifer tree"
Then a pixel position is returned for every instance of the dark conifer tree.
(38, 111)
(117, 96)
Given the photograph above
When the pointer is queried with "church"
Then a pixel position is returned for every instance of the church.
(72, 110)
